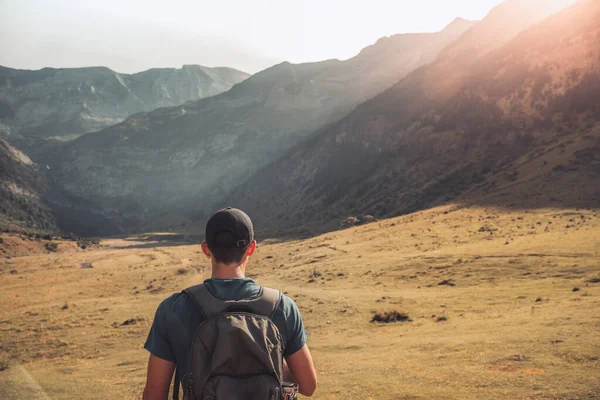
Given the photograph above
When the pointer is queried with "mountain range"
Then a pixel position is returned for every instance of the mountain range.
(69, 102)
(158, 167)
(502, 112)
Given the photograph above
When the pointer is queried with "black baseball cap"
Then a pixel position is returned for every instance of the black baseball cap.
(232, 220)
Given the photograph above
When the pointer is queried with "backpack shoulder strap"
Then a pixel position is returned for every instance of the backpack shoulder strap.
(207, 306)
(205, 302)
(265, 304)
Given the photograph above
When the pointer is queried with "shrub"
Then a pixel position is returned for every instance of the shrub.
(447, 282)
(53, 247)
(560, 168)
(512, 176)
(367, 219)
(391, 317)
(350, 221)
(315, 274)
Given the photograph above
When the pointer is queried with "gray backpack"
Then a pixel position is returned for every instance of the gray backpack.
(237, 352)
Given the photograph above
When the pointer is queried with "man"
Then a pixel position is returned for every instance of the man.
(229, 243)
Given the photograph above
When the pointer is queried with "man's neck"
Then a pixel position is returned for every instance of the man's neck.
(227, 272)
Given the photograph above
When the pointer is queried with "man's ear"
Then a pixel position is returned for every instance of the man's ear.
(251, 248)
(206, 250)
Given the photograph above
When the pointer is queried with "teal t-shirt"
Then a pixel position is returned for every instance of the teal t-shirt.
(177, 319)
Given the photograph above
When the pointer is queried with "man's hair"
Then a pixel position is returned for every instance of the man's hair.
(224, 249)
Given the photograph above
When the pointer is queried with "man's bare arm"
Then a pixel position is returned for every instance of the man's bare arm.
(302, 371)
(287, 374)
(158, 381)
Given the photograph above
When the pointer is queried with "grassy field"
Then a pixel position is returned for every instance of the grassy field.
(503, 305)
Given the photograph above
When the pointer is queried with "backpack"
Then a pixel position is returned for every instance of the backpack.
(237, 352)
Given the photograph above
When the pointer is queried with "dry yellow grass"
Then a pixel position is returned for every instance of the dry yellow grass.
(497, 341)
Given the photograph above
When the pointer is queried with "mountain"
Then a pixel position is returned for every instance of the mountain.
(503, 23)
(158, 167)
(489, 121)
(22, 186)
(73, 101)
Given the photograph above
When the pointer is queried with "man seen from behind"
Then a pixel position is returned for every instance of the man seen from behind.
(229, 337)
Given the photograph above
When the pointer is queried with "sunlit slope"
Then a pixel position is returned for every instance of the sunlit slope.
(411, 147)
(504, 22)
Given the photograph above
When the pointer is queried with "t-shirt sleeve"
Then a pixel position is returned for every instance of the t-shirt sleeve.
(157, 342)
(295, 335)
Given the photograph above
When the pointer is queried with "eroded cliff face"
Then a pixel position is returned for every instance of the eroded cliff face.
(66, 103)
(22, 188)
(156, 169)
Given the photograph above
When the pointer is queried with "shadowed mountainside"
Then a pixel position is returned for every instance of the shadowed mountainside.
(158, 167)
(518, 117)
(68, 102)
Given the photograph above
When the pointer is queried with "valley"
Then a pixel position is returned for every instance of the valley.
(432, 204)
(503, 305)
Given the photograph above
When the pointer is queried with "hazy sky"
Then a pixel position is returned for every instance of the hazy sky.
(134, 35)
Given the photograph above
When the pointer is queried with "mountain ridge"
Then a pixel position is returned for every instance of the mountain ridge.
(68, 102)
(160, 163)
(410, 148)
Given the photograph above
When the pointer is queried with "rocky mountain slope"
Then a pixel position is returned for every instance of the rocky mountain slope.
(73, 101)
(511, 125)
(158, 167)
(22, 186)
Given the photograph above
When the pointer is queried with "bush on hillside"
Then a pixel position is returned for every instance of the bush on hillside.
(53, 247)
(350, 221)
(354, 221)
